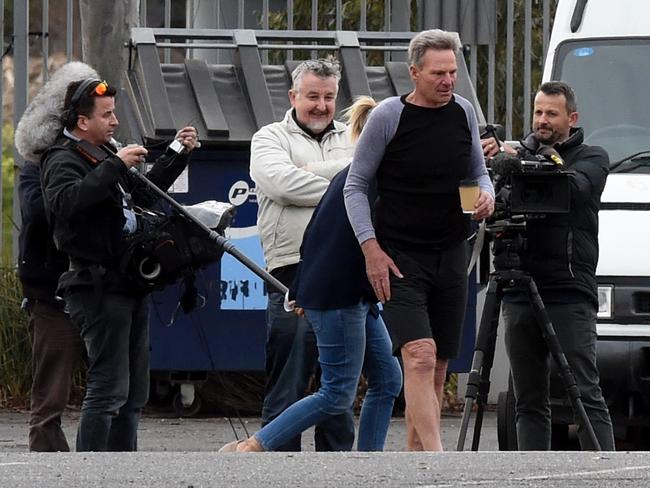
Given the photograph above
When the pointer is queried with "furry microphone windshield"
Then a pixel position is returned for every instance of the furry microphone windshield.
(40, 123)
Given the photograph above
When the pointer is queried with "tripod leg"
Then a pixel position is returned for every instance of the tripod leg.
(478, 382)
(488, 362)
(553, 344)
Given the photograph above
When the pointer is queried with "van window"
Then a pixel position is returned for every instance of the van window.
(611, 79)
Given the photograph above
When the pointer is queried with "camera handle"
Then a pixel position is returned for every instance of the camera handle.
(223, 243)
(478, 383)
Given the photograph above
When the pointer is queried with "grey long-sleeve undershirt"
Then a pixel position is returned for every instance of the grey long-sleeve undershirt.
(380, 128)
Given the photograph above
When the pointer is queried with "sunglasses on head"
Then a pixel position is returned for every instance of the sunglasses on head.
(100, 89)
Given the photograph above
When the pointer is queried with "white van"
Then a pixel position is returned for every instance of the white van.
(602, 49)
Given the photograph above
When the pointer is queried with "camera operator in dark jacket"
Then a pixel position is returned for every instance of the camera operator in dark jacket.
(561, 256)
(92, 202)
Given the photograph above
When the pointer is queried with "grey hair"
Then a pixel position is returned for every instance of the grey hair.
(432, 39)
(323, 68)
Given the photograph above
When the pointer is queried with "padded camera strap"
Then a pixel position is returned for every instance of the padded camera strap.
(91, 153)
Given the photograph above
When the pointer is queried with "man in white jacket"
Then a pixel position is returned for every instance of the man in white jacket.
(292, 163)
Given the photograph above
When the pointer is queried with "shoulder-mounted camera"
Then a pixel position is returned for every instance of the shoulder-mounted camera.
(169, 247)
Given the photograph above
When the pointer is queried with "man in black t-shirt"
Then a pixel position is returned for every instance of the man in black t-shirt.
(419, 147)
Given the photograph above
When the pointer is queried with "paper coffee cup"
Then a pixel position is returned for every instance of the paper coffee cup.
(469, 193)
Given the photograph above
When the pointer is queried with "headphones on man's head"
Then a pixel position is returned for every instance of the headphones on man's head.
(69, 115)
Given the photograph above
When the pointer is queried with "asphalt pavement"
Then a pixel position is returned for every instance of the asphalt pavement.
(161, 432)
(182, 453)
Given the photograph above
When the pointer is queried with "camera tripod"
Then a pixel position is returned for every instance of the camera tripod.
(509, 275)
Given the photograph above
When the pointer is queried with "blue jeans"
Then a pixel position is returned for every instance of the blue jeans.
(291, 359)
(345, 337)
(115, 331)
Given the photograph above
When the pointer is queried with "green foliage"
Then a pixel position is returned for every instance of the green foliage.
(450, 394)
(15, 353)
(326, 21)
(15, 369)
(15, 347)
(7, 190)
(501, 73)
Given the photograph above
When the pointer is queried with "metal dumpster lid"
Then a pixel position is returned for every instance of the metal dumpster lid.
(228, 103)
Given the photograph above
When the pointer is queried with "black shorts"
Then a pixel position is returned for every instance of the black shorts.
(430, 301)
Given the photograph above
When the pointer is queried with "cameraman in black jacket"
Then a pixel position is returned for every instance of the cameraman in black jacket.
(92, 202)
(561, 256)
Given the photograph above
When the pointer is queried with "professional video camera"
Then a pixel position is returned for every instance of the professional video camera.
(177, 243)
(531, 185)
(170, 246)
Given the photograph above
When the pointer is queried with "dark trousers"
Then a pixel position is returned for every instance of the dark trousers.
(56, 352)
(291, 359)
(530, 363)
(115, 331)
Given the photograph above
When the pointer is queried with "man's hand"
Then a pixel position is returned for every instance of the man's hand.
(290, 306)
(132, 155)
(491, 148)
(484, 206)
(189, 137)
(378, 268)
(300, 312)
